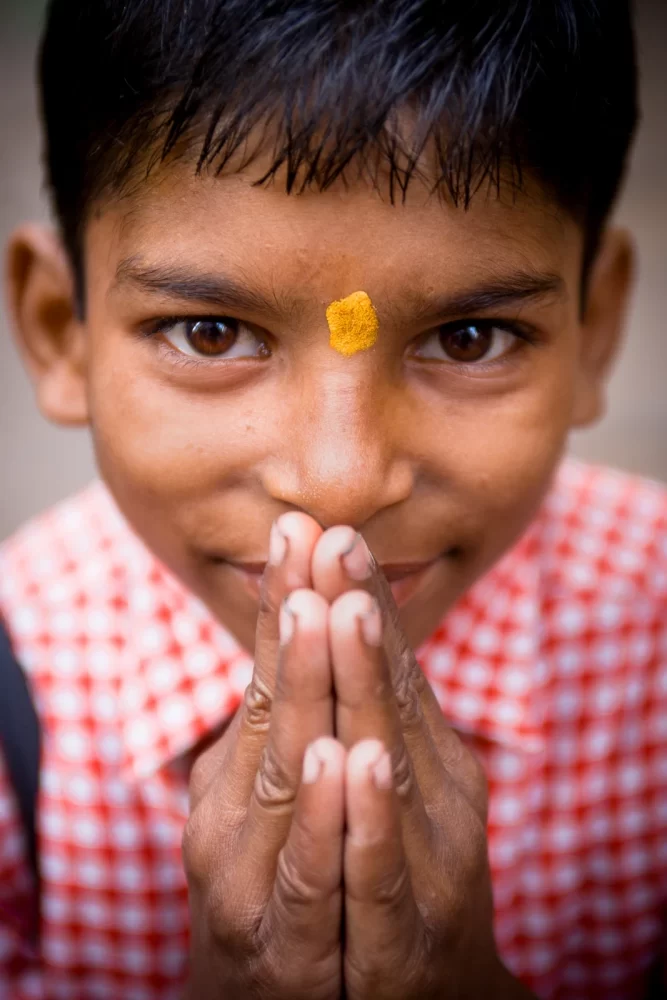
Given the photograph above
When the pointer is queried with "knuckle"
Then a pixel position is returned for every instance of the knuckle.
(390, 890)
(408, 687)
(257, 702)
(413, 671)
(395, 971)
(294, 887)
(232, 927)
(287, 967)
(272, 784)
(408, 701)
(288, 977)
(360, 976)
(363, 975)
(201, 774)
(404, 779)
(407, 663)
(195, 851)
(225, 906)
(386, 889)
(231, 940)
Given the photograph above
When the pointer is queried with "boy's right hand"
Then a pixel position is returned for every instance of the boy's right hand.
(263, 845)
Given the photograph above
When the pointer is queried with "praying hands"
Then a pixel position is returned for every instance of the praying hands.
(336, 844)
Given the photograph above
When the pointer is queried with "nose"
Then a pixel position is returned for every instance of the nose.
(340, 456)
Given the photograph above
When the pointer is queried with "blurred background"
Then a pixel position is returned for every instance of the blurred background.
(40, 464)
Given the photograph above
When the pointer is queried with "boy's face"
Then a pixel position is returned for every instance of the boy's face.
(205, 434)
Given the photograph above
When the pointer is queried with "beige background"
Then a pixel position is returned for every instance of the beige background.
(40, 464)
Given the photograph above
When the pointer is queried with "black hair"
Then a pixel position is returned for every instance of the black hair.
(495, 89)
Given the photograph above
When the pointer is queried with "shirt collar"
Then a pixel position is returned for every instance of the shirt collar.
(185, 674)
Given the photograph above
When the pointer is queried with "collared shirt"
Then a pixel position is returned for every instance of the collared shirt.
(553, 666)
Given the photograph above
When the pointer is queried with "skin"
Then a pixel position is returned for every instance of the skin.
(425, 456)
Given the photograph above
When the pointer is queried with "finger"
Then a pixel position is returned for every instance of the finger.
(356, 568)
(302, 711)
(433, 812)
(342, 562)
(382, 920)
(366, 705)
(236, 756)
(330, 578)
(306, 902)
(291, 544)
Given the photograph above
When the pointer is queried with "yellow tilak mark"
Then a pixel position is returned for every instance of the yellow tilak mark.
(353, 323)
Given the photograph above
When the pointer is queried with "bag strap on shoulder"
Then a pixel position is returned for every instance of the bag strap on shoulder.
(21, 742)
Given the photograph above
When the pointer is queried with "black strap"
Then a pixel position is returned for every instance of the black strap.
(20, 740)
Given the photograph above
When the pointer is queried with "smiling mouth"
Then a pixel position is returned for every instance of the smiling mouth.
(405, 579)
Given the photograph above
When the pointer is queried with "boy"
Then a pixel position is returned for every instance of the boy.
(335, 279)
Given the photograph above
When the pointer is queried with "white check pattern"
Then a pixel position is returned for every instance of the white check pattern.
(553, 667)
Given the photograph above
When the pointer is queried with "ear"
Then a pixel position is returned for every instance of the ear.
(50, 336)
(601, 330)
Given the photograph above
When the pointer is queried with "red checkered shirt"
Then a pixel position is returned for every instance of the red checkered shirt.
(554, 666)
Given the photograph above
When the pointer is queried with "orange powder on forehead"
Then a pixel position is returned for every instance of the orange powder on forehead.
(353, 324)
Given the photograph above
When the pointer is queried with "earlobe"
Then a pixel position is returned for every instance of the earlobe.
(50, 337)
(609, 287)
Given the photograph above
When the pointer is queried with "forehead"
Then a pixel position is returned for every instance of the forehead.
(231, 224)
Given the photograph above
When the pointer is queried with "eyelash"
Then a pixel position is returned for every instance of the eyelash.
(176, 357)
(527, 335)
(183, 361)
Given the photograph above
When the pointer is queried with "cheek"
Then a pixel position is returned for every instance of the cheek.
(155, 441)
(502, 454)
(509, 475)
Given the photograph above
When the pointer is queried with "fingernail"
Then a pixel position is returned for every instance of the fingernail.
(381, 772)
(312, 766)
(356, 559)
(371, 625)
(277, 545)
(286, 623)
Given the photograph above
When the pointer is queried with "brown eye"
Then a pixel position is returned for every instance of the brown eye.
(210, 337)
(466, 343)
(216, 339)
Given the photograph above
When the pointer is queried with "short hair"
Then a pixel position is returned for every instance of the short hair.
(495, 90)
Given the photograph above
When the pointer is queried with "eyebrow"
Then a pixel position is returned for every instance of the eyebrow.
(176, 283)
(503, 292)
(220, 290)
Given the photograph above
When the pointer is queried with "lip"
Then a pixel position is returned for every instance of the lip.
(404, 587)
(405, 579)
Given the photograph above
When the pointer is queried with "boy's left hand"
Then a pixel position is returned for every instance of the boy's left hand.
(418, 903)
